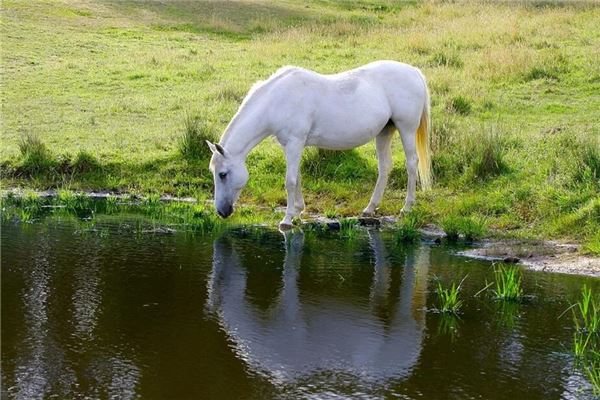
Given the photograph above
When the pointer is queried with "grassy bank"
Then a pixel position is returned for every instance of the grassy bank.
(116, 94)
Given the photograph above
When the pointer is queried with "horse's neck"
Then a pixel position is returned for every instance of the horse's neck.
(247, 129)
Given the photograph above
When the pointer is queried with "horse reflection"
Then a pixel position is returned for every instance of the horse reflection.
(297, 339)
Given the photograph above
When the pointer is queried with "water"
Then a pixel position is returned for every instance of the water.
(111, 312)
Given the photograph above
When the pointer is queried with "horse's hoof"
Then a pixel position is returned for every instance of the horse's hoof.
(284, 226)
(367, 214)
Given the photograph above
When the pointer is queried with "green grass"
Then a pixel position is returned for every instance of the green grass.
(587, 312)
(192, 144)
(586, 338)
(448, 298)
(407, 228)
(98, 95)
(471, 228)
(508, 283)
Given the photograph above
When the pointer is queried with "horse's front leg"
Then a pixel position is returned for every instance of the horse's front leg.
(293, 154)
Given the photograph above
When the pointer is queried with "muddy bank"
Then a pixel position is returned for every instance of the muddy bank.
(548, 256)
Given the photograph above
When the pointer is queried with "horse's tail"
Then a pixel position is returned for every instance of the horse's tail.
(423, 137)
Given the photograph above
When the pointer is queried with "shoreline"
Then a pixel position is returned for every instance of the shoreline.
(542, 255)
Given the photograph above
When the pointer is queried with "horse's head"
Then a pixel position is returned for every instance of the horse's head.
(230, 176)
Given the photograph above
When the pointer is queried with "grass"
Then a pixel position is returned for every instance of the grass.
(587, 312)
(103, 87)
(508, 283)
(586, 338)
(449, 301)
(471, 228)
(192, 144)
(407, 229)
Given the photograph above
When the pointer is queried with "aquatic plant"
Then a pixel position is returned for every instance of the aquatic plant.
(508, 283)
(448, 297)
(582, 342)
(586, 314)
(592, 372)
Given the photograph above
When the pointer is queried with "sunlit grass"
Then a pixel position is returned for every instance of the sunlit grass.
(508, 283)
(448, 297)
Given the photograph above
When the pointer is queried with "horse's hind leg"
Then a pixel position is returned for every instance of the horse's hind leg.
(408, 134)
(299, 200)
(383, 143)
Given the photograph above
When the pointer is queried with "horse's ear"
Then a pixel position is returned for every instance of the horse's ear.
(216, 148)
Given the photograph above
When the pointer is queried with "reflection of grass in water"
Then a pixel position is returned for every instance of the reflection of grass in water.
(448, 325)
(349, 229)
(508, 314)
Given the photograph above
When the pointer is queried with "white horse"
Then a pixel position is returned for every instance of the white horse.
(338, 112)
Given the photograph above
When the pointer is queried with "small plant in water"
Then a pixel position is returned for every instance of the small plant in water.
(508, 283)
(348, 228)
(448, 297)
(587, 312)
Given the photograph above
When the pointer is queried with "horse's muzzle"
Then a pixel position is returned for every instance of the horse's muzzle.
(225, 212)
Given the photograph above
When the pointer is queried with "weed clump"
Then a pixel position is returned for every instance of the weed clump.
(192, 144)
(446, 59)
(592, 246)
(407, 230)
(35, 156)
(448, 298)
(473, 155)
(85, 162)
(508, 283)
(460, 105)
(488, 155)
(471, 228)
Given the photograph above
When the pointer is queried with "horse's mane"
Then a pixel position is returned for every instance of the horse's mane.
(258, 87)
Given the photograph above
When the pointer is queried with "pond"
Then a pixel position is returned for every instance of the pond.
(108, 311)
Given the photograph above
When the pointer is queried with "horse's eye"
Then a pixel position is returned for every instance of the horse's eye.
(222, 175)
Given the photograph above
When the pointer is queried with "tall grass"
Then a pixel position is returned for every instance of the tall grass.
(471, 154)
(508, 283)
(35, 156)
(196, 132)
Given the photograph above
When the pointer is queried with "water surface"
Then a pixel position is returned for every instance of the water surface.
(112, 312)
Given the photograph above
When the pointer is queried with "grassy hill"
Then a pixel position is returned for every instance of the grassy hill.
(99, 94)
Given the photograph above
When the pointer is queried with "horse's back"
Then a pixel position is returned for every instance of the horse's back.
(353, 106)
